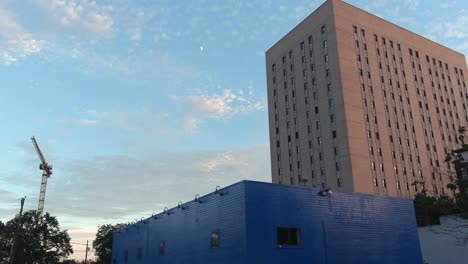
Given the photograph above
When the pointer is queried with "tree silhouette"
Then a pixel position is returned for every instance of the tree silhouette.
(40, 239)
(103, 242)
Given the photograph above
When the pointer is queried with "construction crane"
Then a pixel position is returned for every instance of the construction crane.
(46, 172)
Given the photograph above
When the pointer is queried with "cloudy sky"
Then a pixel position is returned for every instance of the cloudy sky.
(141, 104)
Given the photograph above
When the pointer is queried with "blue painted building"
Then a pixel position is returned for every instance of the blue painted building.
(257, 223)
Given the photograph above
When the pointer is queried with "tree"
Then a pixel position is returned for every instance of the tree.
(455, 205)
(103, 242)
(5, 245)
(40, 239)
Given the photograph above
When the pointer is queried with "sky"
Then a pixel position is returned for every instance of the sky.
(140, 104)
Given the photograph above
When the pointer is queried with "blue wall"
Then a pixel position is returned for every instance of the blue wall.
(341, 228)
(186, 232)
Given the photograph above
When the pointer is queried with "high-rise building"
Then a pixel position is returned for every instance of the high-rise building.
(359, 104)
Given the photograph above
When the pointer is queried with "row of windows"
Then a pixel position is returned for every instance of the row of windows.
(432, 153)
(447, 105)
(214, 242)
(365, 98)
(394, 75)
(311, 107)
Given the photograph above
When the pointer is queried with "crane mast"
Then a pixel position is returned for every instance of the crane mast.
(46, 172)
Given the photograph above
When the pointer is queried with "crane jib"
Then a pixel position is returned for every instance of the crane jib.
(46, 172)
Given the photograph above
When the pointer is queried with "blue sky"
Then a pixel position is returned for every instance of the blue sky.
(140, 104)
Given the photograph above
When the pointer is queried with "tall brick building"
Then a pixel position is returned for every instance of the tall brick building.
(359, 104)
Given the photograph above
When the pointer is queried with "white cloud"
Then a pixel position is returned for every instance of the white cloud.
(458, 28)
(135, 28)
(219, 106)
(87, 122)
(216, 106)
(412, 4)
(75, 14)
(162, 176)
(119, 188)
(75, 53)
(222, 162)
(454, 28)
(448, 4)
(191, 123)
(15, 41)
(98, 23)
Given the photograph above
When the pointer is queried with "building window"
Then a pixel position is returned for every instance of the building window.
(139, 253)
(215, 239)
(340, 182)
(288, 236)
(323, 30)
(325, 44)
(326, 57)
(162, 246)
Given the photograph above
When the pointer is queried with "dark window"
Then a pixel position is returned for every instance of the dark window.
(139, 254)
(287, 236)
(215, 239)
(162, 245)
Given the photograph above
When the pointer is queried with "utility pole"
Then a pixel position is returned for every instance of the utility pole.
(86, 255)
(13, 247)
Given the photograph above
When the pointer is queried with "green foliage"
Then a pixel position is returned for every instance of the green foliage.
(5, 243)
(443, 204)
(103, 242)
(40, 239)
(457, 203)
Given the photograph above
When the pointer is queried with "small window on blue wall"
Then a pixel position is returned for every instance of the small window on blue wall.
(288, 236)
(162, 246)
(215, 239)
(140, 254)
